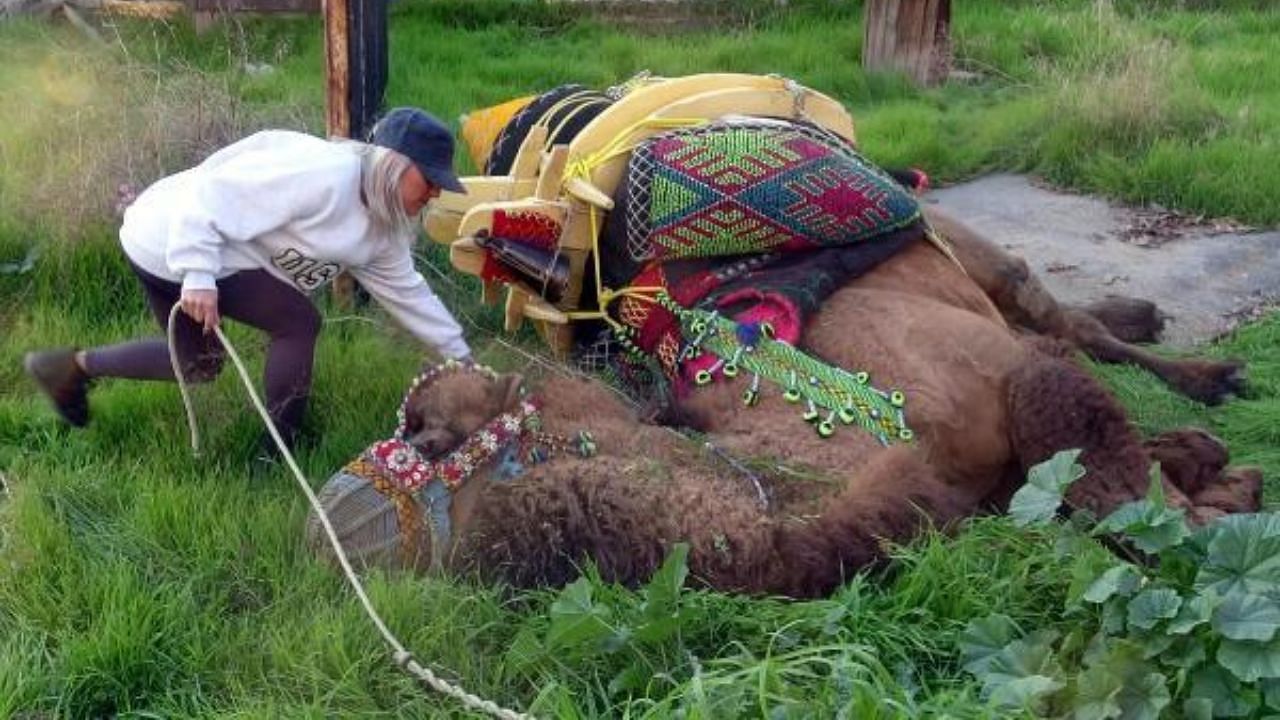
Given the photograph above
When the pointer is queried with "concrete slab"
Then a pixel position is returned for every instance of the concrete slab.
(1084, 249)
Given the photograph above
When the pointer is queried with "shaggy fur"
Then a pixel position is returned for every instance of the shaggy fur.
(985, 403)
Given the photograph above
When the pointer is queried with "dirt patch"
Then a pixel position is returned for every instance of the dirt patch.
(1207, 274)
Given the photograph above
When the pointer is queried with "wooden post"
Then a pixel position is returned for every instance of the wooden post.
(337, 73)
(355, 55)
(337, 76)
(910, 36)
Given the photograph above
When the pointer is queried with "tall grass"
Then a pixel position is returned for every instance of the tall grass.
(137, 581)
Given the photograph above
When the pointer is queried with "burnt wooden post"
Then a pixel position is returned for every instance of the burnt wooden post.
(910, 36)
(355, 53)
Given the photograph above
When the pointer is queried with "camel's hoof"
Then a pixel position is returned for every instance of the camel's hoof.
(1129, 319)
(1213, 382)
(1239, 490)
(1190, 458)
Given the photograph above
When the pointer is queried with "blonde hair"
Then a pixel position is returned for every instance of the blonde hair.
(381, 172)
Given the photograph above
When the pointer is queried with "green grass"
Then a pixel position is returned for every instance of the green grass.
(138, 581)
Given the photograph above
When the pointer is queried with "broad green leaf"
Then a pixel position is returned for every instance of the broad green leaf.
(1250, 660)
(1037, 502)
(576, 621)
(1030, 656)
(1096, 693)
(1130, 514)
(1194, 613)
(1270, 688)
(1123, 681)
(1155, 485)
(1244, 616)
(1144, 699)
(663, 591)
(1243, 555)
(1033, 505)
(1151, 606)
(1058, 472)
(1113, 615)
(526, 650)
(662, 597)
(1154, 644)
(1117, 580)
(1220, 688)
(1086, 567)
(1150, 527)
(983, 639)
(1165, 529)
(1187, 652)
(1025, 692)
(1197, 709)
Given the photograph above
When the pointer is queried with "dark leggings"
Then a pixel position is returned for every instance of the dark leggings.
(253, 297)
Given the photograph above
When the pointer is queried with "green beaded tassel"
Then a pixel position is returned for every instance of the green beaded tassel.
(828, 393)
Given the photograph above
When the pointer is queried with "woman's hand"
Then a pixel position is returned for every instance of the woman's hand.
(201, 306)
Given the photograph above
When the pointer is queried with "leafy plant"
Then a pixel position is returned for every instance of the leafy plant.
(1187, 626)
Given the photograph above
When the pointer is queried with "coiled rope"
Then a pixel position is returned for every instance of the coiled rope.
(402, 657)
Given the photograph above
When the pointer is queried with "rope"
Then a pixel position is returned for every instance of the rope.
(402, 657)
(640, 293)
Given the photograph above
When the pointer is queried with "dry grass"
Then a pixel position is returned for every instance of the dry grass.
(1135, 98)
(83, 126)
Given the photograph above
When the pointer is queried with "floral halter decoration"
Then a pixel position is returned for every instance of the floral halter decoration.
(398, 459)
(514, 440)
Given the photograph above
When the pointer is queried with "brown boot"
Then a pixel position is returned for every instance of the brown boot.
(67, 386)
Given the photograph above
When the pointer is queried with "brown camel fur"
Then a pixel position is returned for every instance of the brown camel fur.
(985, 404)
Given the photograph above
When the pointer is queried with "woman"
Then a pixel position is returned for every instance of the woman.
(249, 232)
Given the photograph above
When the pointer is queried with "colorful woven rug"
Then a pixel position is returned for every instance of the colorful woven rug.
(746, 187)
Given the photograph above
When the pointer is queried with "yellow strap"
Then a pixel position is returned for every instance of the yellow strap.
(584, 167)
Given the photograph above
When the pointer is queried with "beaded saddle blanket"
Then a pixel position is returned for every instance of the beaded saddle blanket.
(752, 223)
(747, 187)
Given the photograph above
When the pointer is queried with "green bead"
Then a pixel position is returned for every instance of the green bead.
(906, 434)
(825, 429)
(730, 370)
(766, 330)
(897, 399)
(847, 415)
(862, 377)
(702, 378)
(792, 395)
(750, 397)
(810, 415)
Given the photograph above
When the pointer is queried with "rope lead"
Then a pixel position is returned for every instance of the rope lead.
(402, 657)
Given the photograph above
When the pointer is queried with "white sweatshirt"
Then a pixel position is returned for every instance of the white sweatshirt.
(288, 203)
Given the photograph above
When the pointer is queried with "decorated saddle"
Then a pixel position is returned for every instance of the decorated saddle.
(698, 221)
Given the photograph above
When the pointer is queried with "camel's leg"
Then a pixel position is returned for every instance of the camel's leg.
(541, 529)
(1196, 462)
(1237, 490)
(892, 500)
(1055, 405)
(1024, 301)
(1190, 458)
(1129, 319)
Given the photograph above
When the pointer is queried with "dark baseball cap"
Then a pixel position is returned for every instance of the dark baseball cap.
(421, 137)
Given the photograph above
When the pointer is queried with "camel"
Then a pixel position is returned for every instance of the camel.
(982, 354)
(985, 401)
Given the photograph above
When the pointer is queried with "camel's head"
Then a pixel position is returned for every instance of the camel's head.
(451, 403)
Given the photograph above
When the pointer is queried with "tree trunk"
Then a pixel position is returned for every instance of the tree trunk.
(910, 36)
